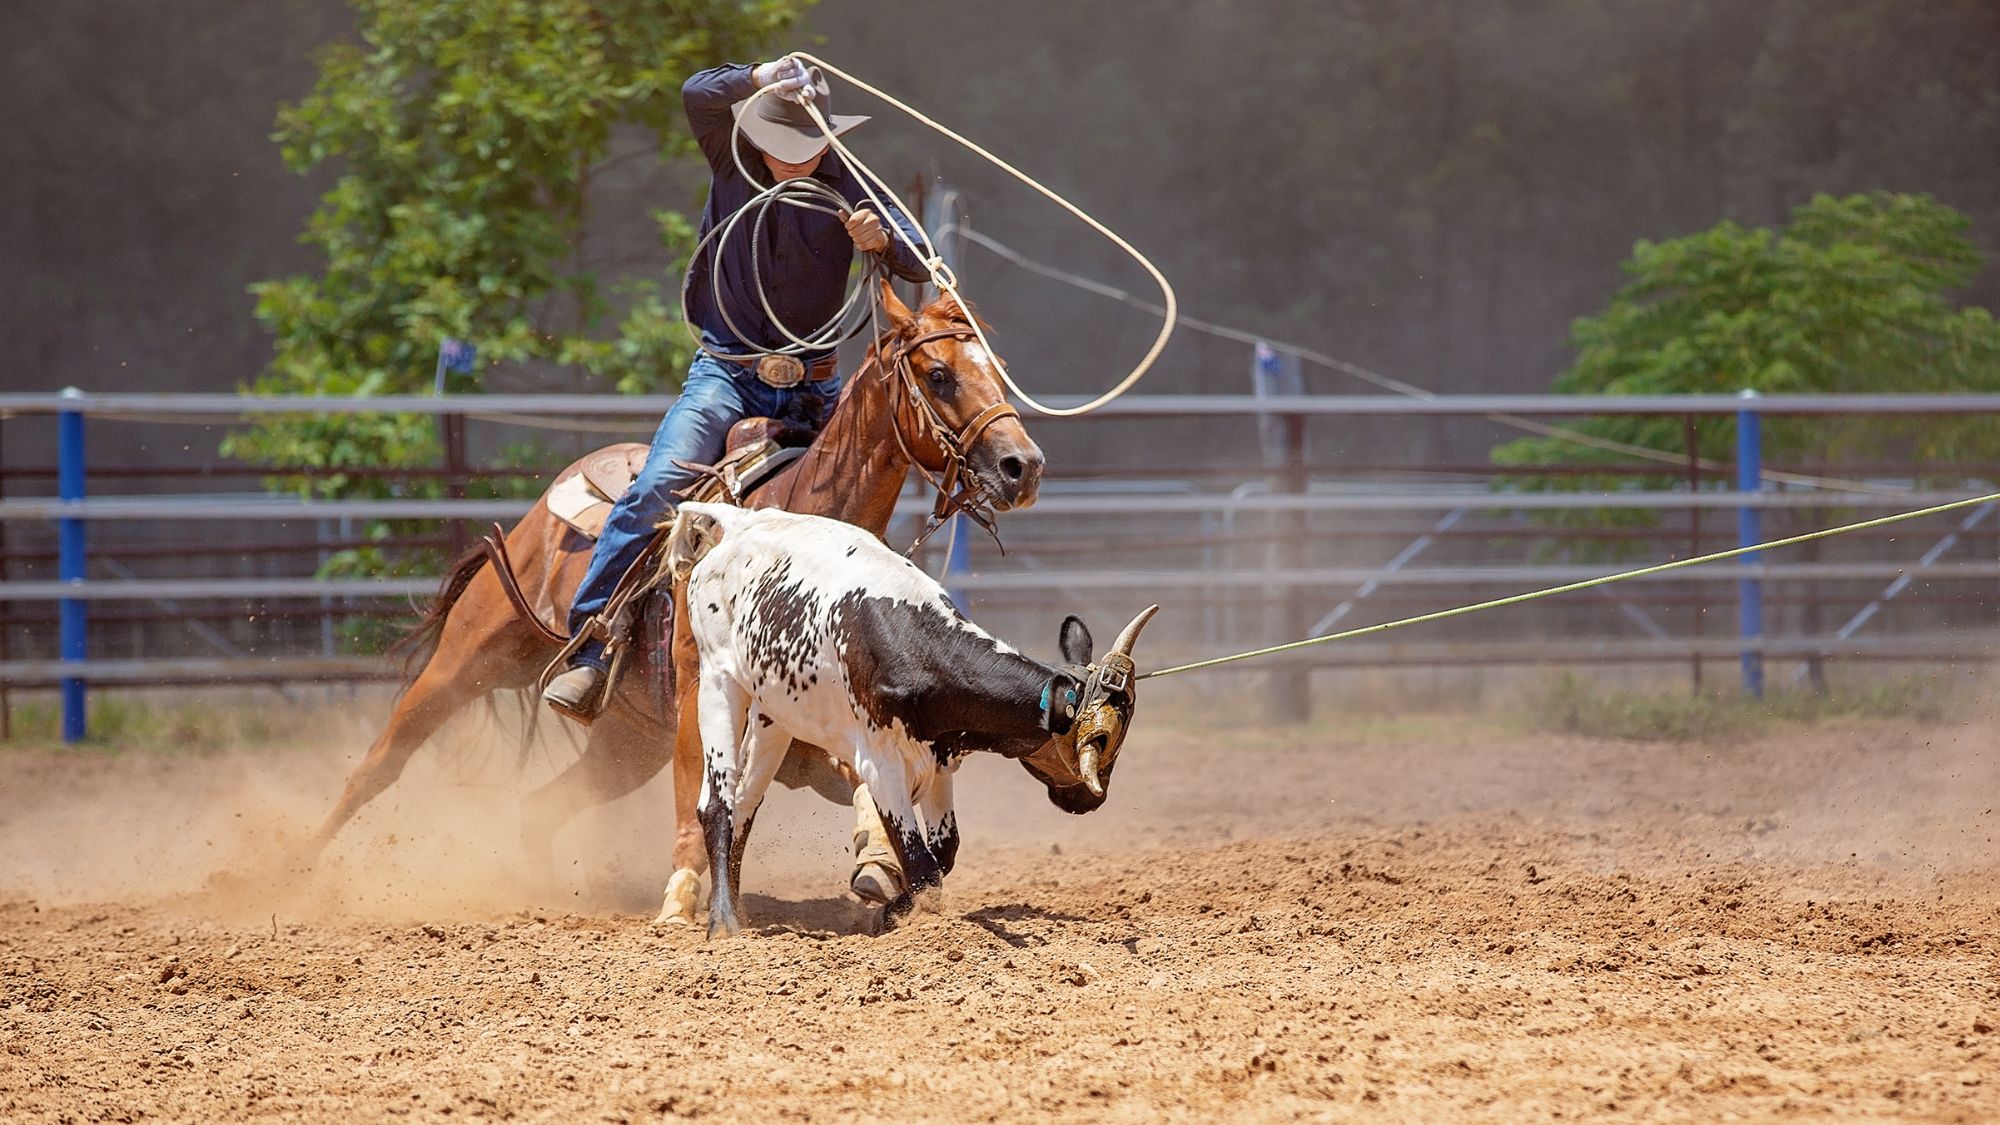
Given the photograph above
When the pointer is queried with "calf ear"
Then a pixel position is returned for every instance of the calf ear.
(1075, 640)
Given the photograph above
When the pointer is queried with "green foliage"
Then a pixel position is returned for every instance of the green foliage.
(466, 134)
(1852, 296)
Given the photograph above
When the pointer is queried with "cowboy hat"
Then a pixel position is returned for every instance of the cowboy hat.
(783, 128)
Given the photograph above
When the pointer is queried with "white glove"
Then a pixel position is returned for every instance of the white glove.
(790, 77)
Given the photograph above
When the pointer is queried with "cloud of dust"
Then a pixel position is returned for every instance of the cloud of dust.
(212, 830)
(217, 829)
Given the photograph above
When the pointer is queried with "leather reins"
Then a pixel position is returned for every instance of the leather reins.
(958, 491)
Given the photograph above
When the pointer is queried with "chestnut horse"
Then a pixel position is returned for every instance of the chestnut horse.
(937, 402)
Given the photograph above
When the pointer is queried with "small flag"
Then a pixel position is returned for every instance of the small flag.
(457, 355)
(453, 355)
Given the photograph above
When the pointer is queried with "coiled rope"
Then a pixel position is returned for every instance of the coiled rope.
(941, 275)
(1586, 584)
(807, 194)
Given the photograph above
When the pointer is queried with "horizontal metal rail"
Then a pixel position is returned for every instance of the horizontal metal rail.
(42, 673)
(1369, 654)
(503, 407)
(252, 589)
(161, 672)
(234, 589)
(1528, 576)
(150, 508)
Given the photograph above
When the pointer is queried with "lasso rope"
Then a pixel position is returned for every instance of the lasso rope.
(1589, 583)
(807, 194)
(941, 275)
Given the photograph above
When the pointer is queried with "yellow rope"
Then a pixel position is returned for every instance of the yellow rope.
(942, 276)
(1586, 584)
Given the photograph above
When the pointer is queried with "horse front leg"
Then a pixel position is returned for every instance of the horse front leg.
(690, 844)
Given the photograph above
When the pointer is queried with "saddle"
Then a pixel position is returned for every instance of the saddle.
(582, 497)
(757, 448)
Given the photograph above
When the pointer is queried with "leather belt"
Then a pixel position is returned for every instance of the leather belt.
(783, 371)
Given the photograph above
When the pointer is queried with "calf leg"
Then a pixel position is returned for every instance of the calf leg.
(940, 824)
(888, 783)
(742, 749)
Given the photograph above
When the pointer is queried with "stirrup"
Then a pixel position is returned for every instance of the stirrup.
(612, 627)
(583, 710)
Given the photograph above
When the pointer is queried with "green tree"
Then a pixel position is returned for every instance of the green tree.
(466, 134)
(1853, 295)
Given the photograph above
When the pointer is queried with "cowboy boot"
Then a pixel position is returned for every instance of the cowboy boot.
(878, 871)
(577, 693)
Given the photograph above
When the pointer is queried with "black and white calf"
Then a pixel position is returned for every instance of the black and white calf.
(811, 629)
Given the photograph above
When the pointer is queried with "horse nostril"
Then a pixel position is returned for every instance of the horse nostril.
(1013, 468)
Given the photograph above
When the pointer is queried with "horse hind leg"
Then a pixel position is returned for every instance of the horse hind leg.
(459, 672)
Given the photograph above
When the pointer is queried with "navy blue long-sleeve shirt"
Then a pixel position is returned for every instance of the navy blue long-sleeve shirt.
(804, 256)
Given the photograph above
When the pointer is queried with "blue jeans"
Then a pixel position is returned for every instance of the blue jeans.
(717, 395)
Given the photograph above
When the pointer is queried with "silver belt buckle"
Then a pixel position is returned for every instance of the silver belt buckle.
(781, 372)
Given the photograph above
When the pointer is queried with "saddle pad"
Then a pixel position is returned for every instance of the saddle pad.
(573, 501)
(581, 503)
(613, 470)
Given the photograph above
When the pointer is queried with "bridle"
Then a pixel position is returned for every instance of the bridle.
(959, 491)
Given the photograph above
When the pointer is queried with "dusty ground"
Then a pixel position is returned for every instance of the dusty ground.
(1440, 919)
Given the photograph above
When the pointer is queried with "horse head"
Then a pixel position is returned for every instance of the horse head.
(952, 414)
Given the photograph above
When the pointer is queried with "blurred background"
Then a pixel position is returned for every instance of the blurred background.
(1434, 193)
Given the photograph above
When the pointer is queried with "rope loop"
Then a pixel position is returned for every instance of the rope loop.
(870, 181)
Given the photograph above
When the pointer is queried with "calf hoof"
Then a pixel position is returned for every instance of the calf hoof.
(678, 907)
(876, 884)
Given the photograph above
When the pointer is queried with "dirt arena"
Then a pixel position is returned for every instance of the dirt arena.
(1440, 918)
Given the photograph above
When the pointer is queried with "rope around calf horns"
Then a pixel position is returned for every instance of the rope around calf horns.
(1588, 583)
(942, 276)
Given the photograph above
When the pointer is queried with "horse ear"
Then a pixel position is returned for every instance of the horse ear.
(899, 314)
(1077, 645)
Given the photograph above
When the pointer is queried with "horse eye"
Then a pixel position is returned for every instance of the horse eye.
(939, 376)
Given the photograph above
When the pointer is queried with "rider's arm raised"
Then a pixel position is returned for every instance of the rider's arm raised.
(902, 261)
(707, 97)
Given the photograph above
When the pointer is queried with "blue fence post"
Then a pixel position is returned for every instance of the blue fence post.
(1749, 532)
(71, 563)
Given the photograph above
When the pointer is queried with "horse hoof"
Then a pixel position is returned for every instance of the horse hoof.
(722, 927)
(875, 884)
(678, 907)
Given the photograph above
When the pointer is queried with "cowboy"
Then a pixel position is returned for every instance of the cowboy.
(796, 259)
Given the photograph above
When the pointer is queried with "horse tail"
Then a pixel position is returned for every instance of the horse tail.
(417, 645)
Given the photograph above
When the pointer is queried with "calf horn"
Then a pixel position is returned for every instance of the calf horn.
(1088, 760)
(1086, 764)
(1130, 635)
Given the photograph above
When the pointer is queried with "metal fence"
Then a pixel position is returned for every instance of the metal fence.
(1290, 538)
